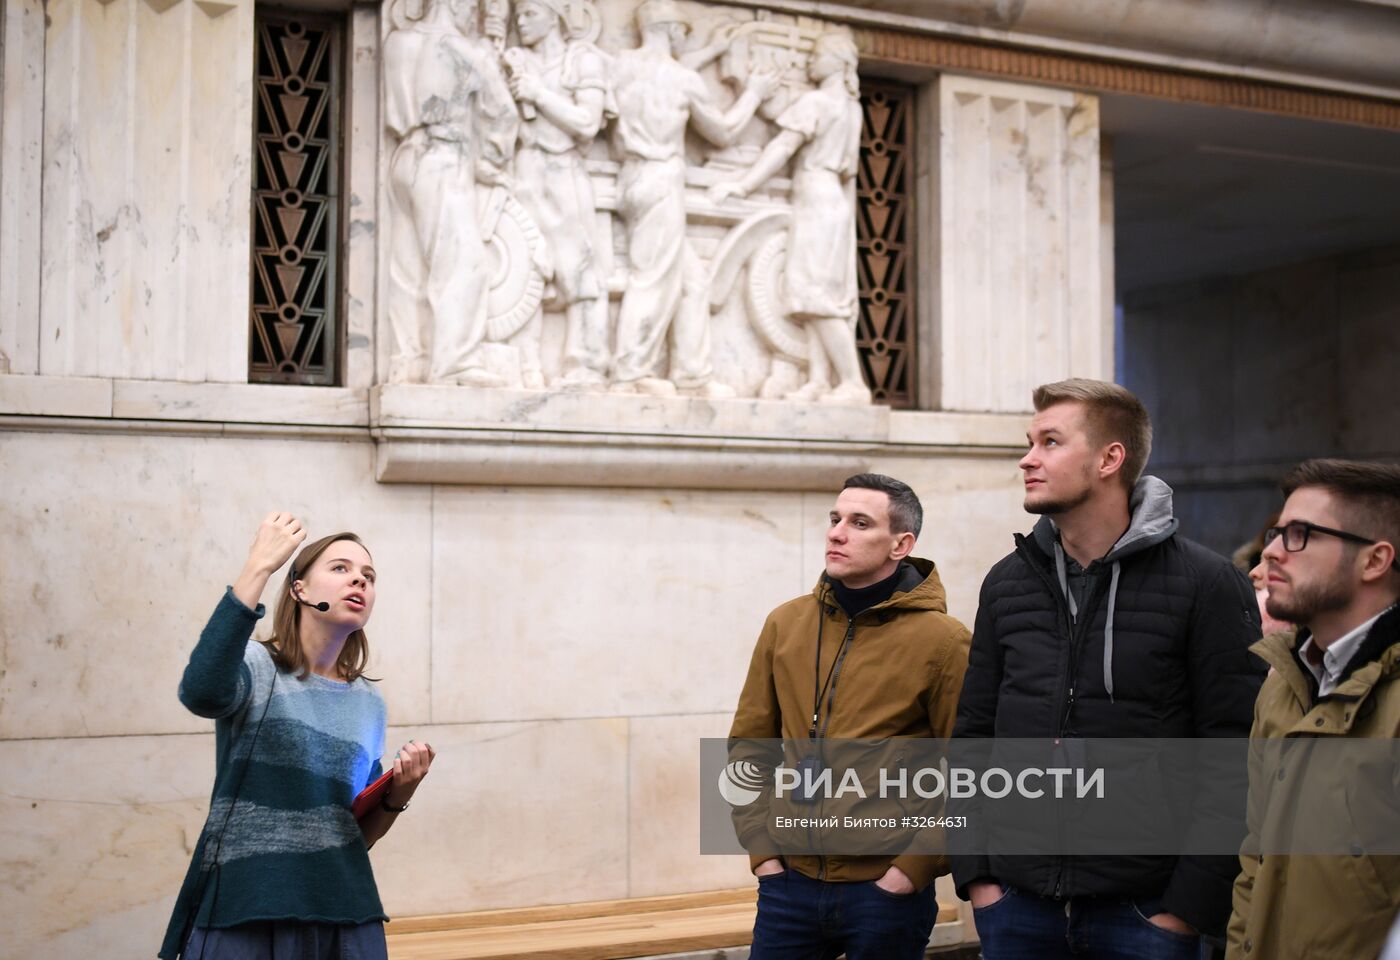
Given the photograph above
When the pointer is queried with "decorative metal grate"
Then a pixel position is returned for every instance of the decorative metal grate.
(294, 334)
(885, 329)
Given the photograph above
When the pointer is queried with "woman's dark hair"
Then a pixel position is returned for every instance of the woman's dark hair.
(285, 643)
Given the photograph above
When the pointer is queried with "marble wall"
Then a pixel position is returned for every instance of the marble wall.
(1011, 202)
(21, 154)
(562, 626)
(145, 196)
(1245, 376)
(562, 649)
(571, 583)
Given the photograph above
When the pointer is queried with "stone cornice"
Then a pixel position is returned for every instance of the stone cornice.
(456, 435)
(1341, 45)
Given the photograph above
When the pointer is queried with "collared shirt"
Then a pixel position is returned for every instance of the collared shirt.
(1337, 655)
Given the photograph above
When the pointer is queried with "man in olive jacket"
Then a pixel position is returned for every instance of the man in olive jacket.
(1331, 570)
(870, 653)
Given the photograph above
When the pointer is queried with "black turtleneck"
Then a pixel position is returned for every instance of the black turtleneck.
(856, 600)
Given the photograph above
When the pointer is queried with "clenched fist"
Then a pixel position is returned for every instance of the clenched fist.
(410, 767)
(277, 539)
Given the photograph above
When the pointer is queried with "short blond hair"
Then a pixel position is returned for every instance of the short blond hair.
(1111, 414)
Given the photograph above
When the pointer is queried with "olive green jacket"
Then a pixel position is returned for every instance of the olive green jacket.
(900, 671)
(1313, 906)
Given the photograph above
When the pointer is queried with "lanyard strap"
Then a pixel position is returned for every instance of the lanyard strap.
(819, 692)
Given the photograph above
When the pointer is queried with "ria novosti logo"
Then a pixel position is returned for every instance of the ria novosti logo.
(741, 782)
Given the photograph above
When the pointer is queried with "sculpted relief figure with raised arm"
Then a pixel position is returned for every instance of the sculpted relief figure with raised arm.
(820, 132)
(561, 85)
(446, 102)
(502, 203)
(657, 97)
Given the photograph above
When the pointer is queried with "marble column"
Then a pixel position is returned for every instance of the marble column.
(21, 149)
(146, 210)
(361, 254)
(1011, 213)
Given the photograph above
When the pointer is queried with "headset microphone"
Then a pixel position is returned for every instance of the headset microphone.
(323, 606)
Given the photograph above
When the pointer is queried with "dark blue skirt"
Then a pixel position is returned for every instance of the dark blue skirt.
(288, 940)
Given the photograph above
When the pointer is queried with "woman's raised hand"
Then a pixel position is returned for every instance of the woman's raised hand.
(277, 538)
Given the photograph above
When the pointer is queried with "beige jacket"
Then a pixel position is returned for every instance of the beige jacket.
(1321, 907)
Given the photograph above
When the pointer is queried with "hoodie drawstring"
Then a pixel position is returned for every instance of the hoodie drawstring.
(1064, 581)
(1062, 573)
(1108, 632)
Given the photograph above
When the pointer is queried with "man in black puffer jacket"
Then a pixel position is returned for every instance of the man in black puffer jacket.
(1104, 623)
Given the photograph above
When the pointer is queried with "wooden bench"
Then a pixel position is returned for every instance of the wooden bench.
(603, 930)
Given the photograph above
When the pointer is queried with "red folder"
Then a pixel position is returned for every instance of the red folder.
(371, 796)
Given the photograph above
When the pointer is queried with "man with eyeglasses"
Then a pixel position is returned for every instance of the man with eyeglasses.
(1331, 569)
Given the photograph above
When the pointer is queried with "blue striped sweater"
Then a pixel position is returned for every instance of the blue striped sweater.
(280, 842)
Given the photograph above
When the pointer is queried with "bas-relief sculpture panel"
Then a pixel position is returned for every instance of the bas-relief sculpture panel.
(652, 200)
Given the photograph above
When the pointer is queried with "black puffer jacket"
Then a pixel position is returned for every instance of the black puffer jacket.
(1173, 661)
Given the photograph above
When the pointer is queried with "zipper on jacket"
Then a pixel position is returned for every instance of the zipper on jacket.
(1078, 636)
(830, 699)
(836, 670)
(1071, 630)
(1075, 631)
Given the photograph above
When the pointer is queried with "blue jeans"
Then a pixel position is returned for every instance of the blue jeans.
(804, 919)
(1021, 926)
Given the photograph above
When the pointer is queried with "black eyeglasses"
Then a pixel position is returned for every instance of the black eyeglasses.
(1295, 536)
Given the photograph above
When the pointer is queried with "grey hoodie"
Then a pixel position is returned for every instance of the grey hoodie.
(1151, 523)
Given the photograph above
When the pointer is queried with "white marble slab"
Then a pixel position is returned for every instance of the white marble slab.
(565, 603)
(664, 809)
(540, 459)
(217, 169)
(95, 836)
(464, 408)
(21, 167)
(55, 396)
(239, 403)
(511, 815)
(1017, 300)
(128, 547)
(938, 429)
(362, 219)
(453, 435)
(146, 185)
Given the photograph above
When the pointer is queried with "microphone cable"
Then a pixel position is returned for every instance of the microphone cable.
(207, 875)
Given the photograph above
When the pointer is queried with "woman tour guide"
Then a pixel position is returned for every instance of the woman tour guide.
(281, 870)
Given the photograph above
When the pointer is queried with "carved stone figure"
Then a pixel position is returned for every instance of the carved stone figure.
(446, 101)
(656, 98)
(820, 131)
(561, 85)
